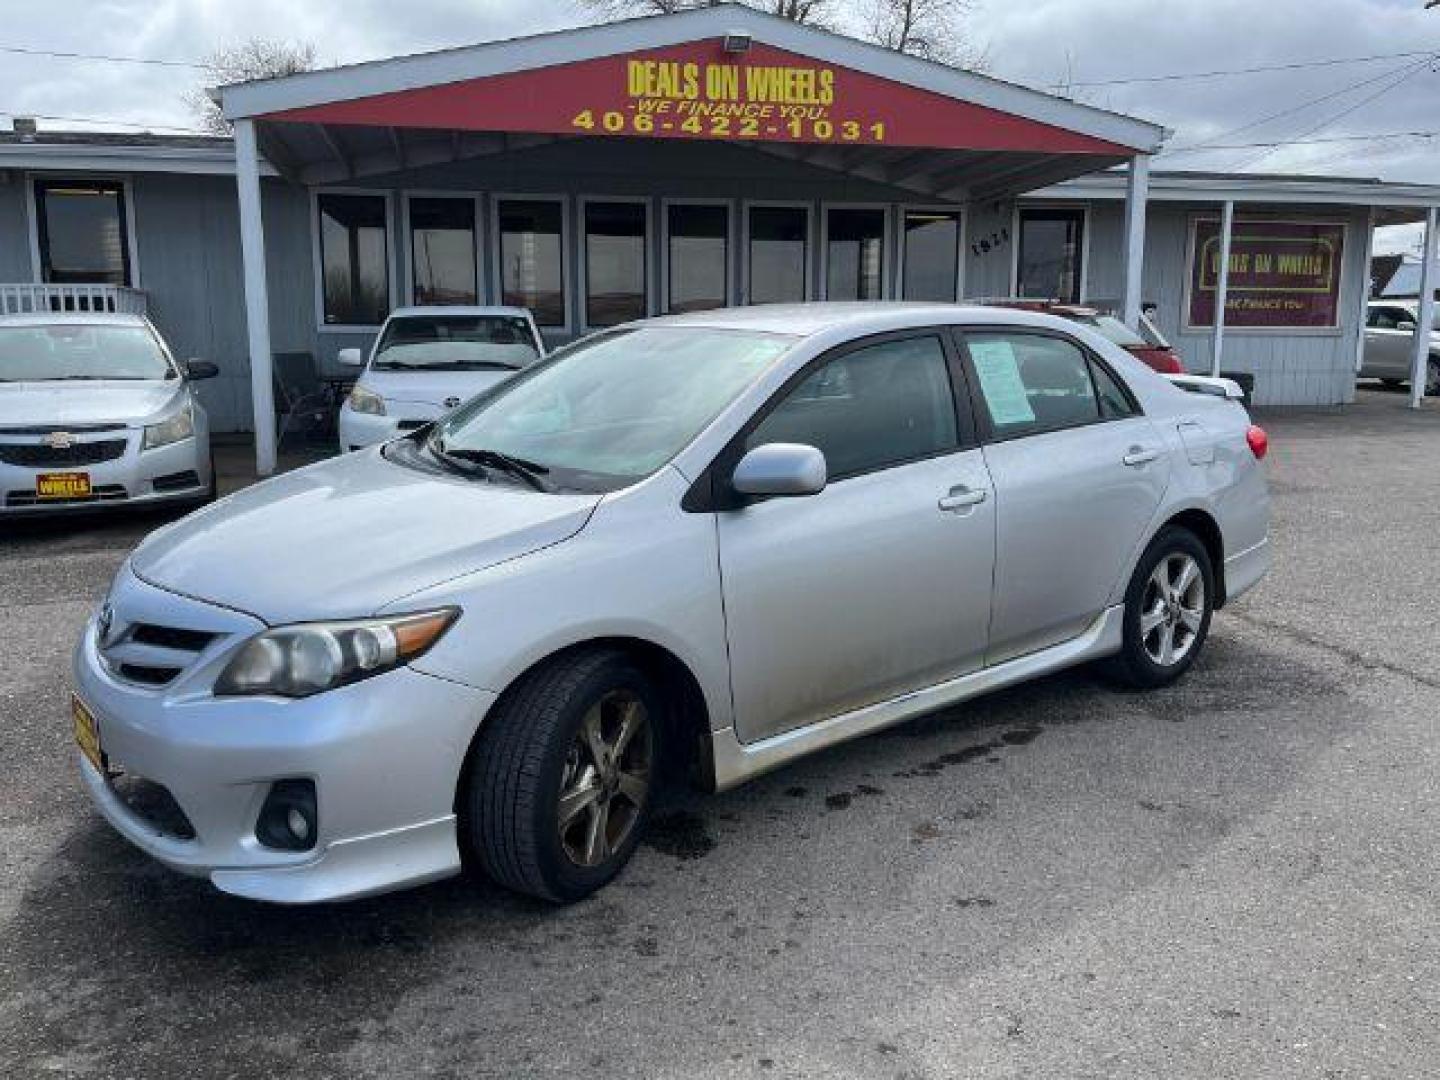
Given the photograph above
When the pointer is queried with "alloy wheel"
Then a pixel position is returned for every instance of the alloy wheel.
(606, 780)
(1172, 609)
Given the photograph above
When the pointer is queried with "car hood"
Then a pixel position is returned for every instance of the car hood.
(432, 387)
(350, 535)
(110, 402)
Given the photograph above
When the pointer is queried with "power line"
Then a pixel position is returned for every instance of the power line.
(1308, 142)
(1241, 71)
(54, 55)
(145, 125)
(1370, 81)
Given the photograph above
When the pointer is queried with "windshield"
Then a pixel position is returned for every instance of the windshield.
(1113, 329)
(80, 351)
(455, 343)
(614, 407)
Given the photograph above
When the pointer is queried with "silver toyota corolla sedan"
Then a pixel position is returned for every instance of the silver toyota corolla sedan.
(94, 410)
(697, 546)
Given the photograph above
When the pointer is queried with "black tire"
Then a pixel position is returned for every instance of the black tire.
(1432, 377)
(527, 750)
(1135, 665)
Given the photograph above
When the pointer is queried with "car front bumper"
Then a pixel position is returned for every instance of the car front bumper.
(384, 754)
(179, 472)
(359, 430)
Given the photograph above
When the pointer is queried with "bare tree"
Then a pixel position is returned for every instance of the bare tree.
(257, 58)
(932, 29)
(801, 11)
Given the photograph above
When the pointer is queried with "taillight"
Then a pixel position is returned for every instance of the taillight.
(1169, 364)
(1258, 440)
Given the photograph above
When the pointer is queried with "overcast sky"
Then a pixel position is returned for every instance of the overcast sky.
(1040, 42)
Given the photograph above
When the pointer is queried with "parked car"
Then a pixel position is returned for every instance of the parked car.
(711, 542)
(1148, 344)
(95, 409)
(427, 360)
(1390, 344)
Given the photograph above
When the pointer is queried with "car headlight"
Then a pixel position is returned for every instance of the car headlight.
(364, 400)
(178, 425)
(309, 658)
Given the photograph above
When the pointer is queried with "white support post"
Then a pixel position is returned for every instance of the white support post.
(1420, 363)
(1222, 286)
(257, 298)
(1137, 190)
(1366, 282)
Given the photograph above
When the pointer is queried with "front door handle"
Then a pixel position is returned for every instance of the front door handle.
(1140, 455)
(960, 497)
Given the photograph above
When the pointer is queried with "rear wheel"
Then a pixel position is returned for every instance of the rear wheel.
(563, 775)
(1167, 610)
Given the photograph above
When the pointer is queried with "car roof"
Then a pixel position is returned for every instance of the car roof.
(857, 317)
(80, 318)
(456, 309)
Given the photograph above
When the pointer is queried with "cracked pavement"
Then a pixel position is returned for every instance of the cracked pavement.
(1235, 877)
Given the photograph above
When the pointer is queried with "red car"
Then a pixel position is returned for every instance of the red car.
(1150, 345)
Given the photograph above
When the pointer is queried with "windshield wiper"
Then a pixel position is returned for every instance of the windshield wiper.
(449, 365)
(529, 471)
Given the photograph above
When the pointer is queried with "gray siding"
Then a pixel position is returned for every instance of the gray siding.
(14, 230)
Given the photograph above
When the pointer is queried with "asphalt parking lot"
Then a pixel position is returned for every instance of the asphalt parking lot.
(1236, 877)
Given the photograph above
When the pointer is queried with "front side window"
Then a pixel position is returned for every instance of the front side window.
(854, 253)
(1050, 253)
(455, 343)
(870, 408)
(80, 351)
(697, 256)
(1033, 382)
(83, 234)
(442, 247)
(932, 254)
(614, 407)
(354, 259)
(615, 243)
(532, 264)
(779, 237)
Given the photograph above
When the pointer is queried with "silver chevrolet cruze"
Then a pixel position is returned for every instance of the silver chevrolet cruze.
(693, 547)
(96, 411)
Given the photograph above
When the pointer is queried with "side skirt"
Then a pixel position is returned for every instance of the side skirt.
(735, 762)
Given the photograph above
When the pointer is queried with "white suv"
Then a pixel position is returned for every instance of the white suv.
(426, 361)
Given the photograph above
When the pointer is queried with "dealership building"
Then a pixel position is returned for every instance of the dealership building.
(719, 156)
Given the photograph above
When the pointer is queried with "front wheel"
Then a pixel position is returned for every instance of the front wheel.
(562, 777)
(1167, 611)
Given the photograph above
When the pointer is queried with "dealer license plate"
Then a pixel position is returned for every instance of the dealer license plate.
(62, 485)
(87, 732)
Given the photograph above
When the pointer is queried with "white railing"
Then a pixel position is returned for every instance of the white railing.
(28, 299)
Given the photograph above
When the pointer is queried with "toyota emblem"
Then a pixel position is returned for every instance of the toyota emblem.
(59, 440)
(451, 402)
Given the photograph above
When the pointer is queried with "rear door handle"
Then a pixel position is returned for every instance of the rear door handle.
(960, 497)
(1140, 455)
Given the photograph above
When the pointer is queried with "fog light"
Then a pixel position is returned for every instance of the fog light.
(288, 820)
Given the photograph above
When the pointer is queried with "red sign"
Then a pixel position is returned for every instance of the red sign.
(699, 91)
(1282, 273)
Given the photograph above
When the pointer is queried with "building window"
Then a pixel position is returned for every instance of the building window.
(697, 241)
(855, 253)
(532, 263)
(354, 258)
(442, 251)
(1050, 255)
(778, 241)
(82, 231)
(615, 242)
(931, 267)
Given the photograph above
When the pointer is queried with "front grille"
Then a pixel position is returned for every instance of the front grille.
(148, 674)
(171, 637)
(154, 804)
(40, 456)
(151, 655)
(410, 425)
(99, 493)
(50, 429)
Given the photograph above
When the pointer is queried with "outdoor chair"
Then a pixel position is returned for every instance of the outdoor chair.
(302, 400)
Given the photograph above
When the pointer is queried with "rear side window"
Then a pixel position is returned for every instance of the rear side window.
(870, 408)
(1032, 382)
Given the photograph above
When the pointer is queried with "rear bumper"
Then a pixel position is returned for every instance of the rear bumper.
(1244, 570)
(176, 473)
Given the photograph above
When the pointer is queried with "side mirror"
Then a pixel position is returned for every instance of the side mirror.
(201, 369)
(350, 357)
(780, 469)
(1405, 326)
